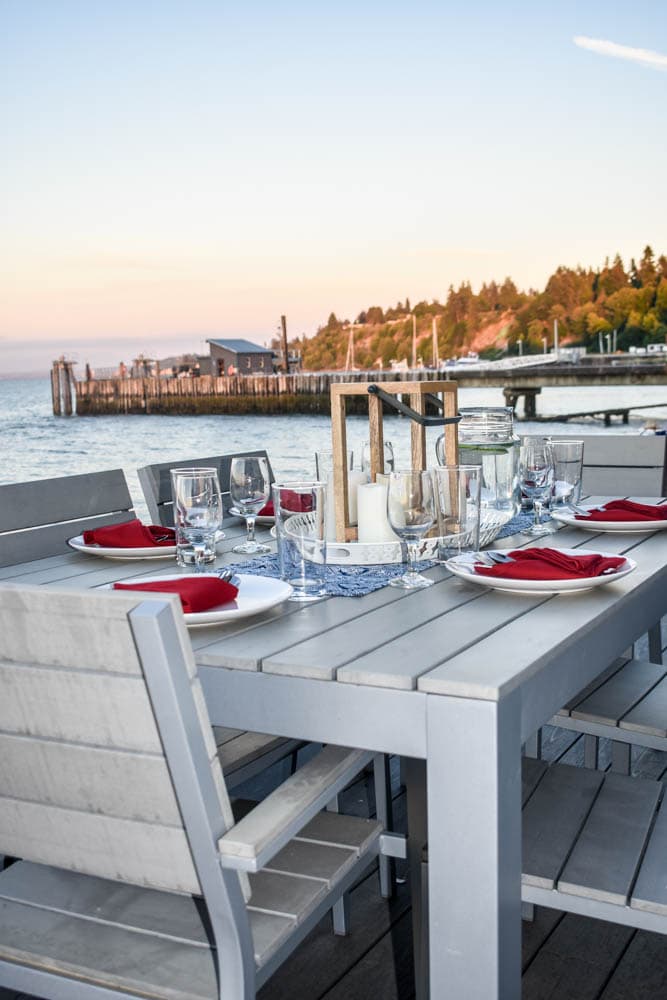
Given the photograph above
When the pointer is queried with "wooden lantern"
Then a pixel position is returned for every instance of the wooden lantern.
(416, 393)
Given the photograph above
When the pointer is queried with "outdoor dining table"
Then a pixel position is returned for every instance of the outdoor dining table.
(457, 676)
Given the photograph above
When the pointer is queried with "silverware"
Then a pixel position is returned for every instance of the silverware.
(490, 557)
(499, 557)
(226, 574)
(578, 510)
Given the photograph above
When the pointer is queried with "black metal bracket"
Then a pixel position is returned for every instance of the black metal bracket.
(407, 411)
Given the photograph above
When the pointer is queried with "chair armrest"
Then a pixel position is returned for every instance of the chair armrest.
(256, 838)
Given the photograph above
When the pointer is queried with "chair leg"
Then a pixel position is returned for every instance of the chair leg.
(340, 911)
(384, 813)
(591, 751)
(533, 745)
(655, 643)
(340, 915)
(621, 757)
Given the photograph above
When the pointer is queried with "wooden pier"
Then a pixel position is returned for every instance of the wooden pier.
(309, 392)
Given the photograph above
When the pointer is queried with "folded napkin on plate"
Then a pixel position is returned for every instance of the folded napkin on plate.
(550, 564)
(267, 510)
(626, 510)
(130, 535)
(195, 594)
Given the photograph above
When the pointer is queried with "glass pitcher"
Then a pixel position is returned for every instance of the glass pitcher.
(486, 438)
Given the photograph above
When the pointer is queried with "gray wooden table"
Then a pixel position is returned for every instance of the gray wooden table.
(457, 676)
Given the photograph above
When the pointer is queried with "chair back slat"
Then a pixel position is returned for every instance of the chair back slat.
(84, 780)
(626, 465)
(155, 481)
(37, 518)
(623, 464)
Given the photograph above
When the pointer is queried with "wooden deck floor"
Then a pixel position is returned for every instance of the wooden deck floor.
(565, 957)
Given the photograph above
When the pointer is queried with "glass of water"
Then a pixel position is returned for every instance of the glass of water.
(568, 466)
(198, 514)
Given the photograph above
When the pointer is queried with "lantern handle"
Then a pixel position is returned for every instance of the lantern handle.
(407, 411)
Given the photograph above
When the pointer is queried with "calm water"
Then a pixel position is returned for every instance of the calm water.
(37, 445)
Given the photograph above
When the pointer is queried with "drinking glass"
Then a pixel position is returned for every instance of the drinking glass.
(457, 502)
(249, 489)
(198, 513)
(300, 510)
(568, 466)
(536, 477)
(411, 512)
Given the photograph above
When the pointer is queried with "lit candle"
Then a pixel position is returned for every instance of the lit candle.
(373, 521)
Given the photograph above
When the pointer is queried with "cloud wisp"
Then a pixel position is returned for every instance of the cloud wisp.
(654, 60)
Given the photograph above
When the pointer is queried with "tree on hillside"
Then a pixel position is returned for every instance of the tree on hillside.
(647, 271)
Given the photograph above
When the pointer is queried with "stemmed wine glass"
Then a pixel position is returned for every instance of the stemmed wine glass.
(411, 512)
(536, 477)
(249, 488)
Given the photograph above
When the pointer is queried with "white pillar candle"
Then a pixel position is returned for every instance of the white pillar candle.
(372, 507)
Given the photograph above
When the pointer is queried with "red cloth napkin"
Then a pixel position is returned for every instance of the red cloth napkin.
(626, 510)
(299, 503)
(550, 564)
(130, 535)
(267, 510)
(195, 594)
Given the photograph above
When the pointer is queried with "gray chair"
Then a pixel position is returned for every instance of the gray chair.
(135, 878)
(627, 704)
(624, 464)
(37, 518)
(155, 482)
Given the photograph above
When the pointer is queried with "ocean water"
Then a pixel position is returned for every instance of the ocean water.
(37, 445)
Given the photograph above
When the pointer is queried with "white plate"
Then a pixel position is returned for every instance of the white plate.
(463, 566)
(260, 519)
(590, 524)
(256, 594)
(108, 552)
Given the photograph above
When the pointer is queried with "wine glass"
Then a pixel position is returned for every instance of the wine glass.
(536, 477)
(198, 513)
(411, 512)
(249, 488)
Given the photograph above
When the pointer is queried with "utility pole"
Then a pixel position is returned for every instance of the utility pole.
(436, 359)
(414, 341)
(556, 336)
(349, 357)
(283, 324)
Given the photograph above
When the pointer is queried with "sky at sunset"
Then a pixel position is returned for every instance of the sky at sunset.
(173, 171)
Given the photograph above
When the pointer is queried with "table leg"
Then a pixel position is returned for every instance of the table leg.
(474, 847)
(414, 776)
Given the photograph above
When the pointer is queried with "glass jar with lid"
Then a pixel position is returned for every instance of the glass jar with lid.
(486, 438)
